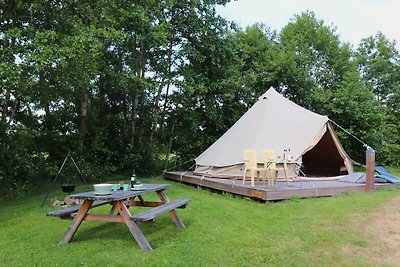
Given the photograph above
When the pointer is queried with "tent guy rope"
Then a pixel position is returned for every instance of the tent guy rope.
(352, 135)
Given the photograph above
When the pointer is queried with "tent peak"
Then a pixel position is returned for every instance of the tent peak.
(268, 93)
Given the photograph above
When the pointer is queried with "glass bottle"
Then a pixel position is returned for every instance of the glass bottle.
(133, 179)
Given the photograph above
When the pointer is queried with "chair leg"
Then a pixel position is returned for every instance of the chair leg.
(286, 173)
(252, 178)
(264, 176)
(244, 175)
(271, 176)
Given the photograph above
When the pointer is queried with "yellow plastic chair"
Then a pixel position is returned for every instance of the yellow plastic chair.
(250, 164)
(270, 170)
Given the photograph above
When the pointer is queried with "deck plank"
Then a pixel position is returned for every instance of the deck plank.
(280, 191)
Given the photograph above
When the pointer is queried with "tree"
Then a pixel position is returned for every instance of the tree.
(256, 49)
(204, 102)
(353, 106)
(93, 79)
(379, 65)
(313, 59)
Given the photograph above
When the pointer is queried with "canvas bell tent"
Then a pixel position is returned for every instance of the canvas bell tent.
(276, 123)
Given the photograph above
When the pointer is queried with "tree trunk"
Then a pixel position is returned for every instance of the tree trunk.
(14, 107)
(165, 103)
(83, 115)
(4, 111)
(134, 116)
(46, 103)
(165, 77)
(139, 73)
(102, 97)
(47, 120)
(169, 145)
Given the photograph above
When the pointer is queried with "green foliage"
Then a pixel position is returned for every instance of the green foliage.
(314, 58)
(256, 49)
(120, 85)
(353, 106)
(88, 79)
(379, 64)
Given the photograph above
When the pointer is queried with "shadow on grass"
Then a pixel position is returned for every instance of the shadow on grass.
(158, 233)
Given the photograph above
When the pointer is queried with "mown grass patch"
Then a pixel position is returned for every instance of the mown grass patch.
(221, 230)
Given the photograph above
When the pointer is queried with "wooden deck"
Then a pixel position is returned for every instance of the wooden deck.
(280, 191)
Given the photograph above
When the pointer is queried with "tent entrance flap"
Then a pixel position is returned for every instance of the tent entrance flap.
(324, 158)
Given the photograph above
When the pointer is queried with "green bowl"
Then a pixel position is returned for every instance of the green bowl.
(102, 189)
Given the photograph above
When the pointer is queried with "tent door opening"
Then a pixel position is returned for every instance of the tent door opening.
(324, 159)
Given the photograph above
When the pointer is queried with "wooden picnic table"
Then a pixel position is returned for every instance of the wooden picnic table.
(119, 212)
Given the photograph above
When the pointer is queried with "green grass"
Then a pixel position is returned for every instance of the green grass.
(221, 230)
(393, 170)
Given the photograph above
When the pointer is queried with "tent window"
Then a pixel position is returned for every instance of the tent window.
(324, 158)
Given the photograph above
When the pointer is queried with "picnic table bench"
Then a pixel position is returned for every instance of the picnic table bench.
(151, 214)
(147, 215)
(67, 213)
(121, 201)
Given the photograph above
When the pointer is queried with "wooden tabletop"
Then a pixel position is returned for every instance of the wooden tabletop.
(120, 194)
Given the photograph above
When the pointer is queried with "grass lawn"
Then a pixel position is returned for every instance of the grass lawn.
(221, 231)
(394, 171)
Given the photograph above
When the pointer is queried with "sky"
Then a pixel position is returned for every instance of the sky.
(353, 19)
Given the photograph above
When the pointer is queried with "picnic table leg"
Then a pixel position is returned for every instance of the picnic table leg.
(172, 213)
(112, 210)
(76, 222)
(142, 201)
(132, 226)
